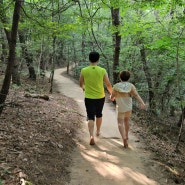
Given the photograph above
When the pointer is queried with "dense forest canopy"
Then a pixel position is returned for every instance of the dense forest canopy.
(143, 36)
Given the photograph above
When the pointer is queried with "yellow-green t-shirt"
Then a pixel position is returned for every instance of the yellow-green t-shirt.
(93, 80)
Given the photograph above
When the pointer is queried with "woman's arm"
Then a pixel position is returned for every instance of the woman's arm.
(138, 97)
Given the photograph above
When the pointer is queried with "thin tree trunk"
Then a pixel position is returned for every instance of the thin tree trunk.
(11, 58)
(4, 19)
(148, 78)
(53, 66)
(3, 48)
(179, 90)
(53, 55)
(28, 58)
(83, 34)
(117, 43)
(25, 54)
(16, 73)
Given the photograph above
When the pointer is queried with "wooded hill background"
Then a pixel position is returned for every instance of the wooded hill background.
(144, 36)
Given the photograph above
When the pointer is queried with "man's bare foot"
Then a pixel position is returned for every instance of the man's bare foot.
(125, 143)
(92, 141)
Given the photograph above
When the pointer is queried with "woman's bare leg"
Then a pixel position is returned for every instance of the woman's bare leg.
(121, 128)
(126, 125)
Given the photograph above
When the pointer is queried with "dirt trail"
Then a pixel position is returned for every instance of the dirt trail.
(108, 162)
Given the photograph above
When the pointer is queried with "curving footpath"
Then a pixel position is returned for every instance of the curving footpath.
(107, 162)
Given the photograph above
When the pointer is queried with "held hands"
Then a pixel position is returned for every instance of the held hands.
(112, 97)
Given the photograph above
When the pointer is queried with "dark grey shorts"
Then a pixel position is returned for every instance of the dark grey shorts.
(94, 108)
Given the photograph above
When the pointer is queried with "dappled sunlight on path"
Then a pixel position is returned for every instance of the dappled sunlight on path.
(108, 162)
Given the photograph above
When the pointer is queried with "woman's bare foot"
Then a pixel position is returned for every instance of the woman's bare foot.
(125, 143)
(97, 133)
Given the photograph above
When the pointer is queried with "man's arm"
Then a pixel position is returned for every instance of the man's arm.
(81, 82)
(112, 96)
(107, 83)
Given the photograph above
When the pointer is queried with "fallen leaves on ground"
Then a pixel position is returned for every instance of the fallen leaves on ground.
(36, 138)
(160, 136)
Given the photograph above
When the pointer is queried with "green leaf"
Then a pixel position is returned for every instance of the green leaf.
(162, 43)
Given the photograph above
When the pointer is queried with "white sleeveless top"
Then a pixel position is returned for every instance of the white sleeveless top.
(123, 92)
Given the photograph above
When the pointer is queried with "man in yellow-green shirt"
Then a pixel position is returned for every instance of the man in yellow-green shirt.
(92, 79)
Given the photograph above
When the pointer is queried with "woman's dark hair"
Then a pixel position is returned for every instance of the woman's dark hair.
(94, 56)
(124, 75)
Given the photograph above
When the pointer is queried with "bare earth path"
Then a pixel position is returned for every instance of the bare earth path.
(107, 162)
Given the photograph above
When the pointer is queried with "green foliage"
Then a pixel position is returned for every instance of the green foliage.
(78, 69)
(155, 25)
(164, 43)
(81, 65)
(161, 34)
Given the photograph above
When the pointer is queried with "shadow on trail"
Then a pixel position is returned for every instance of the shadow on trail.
(110, 160)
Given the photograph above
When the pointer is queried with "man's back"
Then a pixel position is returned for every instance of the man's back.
(93, 79)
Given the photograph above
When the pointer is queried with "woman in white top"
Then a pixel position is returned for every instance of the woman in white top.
(122, 93)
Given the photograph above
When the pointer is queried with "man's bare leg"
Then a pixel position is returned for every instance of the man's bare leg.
(91, 131)
(98, 125)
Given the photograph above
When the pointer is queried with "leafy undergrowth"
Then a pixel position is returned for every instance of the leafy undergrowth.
(37, 136)
(161, 137)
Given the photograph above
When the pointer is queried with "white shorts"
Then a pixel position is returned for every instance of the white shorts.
(122, 115)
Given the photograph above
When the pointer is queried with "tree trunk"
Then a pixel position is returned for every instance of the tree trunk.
(25, 54)
(4, 19)
(28, 57)
(148, 78)
(181, 119)
(180, 124)
(4, 47)
(15, 73)
(117, 43)
(53, 65)
(11, 57)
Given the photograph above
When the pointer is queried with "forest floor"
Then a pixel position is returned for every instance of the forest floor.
(31, 146)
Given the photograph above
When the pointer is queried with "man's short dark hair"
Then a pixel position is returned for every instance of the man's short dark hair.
(94, 56)
(124, 75)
